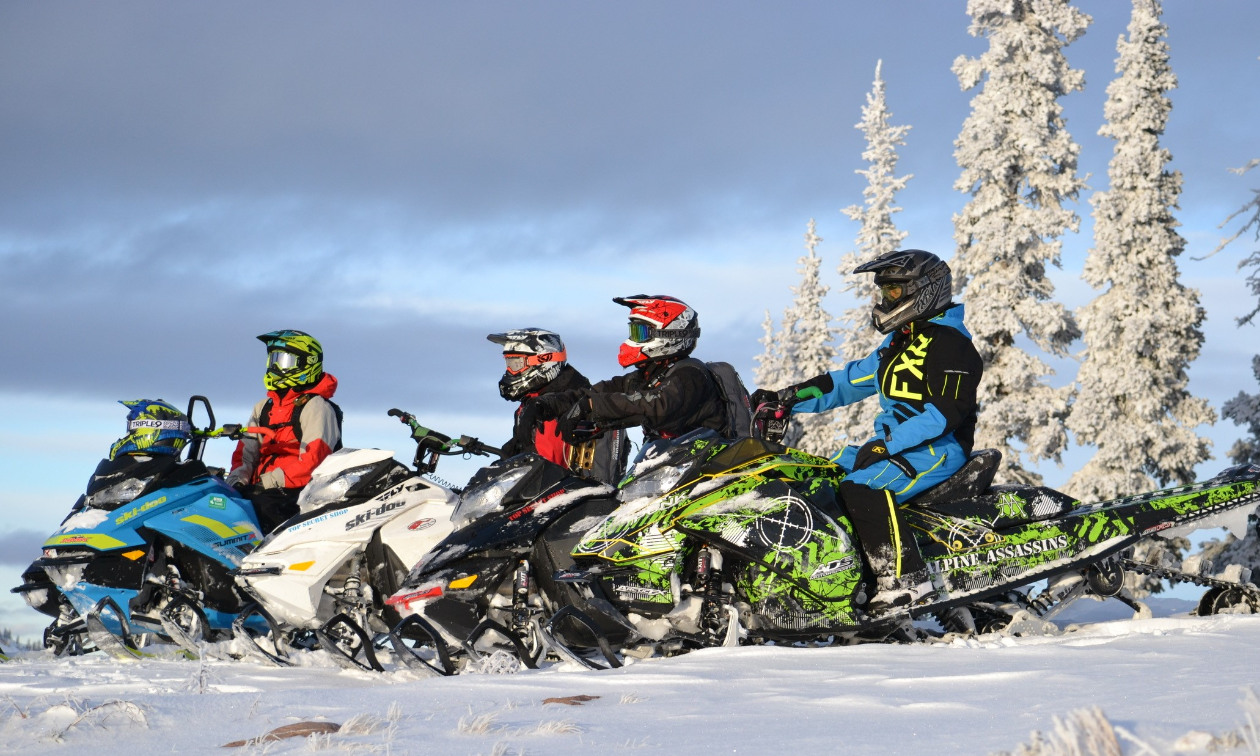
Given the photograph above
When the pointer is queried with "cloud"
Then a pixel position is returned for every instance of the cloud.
(20, 547)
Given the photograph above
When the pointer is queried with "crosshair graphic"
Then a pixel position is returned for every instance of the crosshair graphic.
(789, 527)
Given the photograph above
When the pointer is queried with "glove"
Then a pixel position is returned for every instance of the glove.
(875, 451)
(272, 479)
(552, 406)
(575, 425)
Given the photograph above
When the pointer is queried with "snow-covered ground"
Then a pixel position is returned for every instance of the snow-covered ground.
(1157, 678)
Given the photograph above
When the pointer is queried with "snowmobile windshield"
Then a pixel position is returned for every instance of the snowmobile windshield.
(118, 481)
(486, 496)
(341, 486)
(662, 464)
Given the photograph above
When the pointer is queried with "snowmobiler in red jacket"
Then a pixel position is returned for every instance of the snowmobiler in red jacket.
(668, 394)
(537, 365)
(299, 426)
(925, 375)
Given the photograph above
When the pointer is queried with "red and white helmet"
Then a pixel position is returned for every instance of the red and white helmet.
(660, 328)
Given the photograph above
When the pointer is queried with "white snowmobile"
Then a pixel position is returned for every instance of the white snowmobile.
(364, 520)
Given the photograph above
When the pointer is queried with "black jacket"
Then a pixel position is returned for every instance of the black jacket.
(611, 449)
(667, 401)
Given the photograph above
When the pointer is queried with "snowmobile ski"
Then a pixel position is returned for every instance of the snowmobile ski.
(410, 656)
(120, 647)
(249, 637)
(345, 641)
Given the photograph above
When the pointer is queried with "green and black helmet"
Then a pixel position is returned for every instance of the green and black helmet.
(294, 360)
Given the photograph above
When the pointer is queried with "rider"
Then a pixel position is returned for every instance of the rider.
(926, 374)
(300, 426)
(537, 365)
(668, 394)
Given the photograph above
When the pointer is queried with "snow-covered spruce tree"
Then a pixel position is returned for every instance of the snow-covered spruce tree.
(1244, 409)
(1142, 333)
(878, 235)
(1019, 166)
(802, 349)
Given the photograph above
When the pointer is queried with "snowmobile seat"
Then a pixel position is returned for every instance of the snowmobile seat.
(972, 480)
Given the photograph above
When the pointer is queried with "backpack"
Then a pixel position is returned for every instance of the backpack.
(733, 394)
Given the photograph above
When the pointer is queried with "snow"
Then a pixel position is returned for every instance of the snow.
(1160, 678)
(84, 520)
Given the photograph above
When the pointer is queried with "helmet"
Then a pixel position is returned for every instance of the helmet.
(294, 359)
(912, 284)
(660, 327)
(153, 427)
(534, 358)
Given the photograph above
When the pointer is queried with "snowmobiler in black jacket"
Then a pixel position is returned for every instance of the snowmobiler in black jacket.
(668, 394)
(537, 365)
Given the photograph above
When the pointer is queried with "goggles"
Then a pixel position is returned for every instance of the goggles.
(891, 292)
(183, 426)
(282, 360)
(640, 332)
(519, 363)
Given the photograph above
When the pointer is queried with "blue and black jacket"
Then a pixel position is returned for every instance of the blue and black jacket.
(925, 374)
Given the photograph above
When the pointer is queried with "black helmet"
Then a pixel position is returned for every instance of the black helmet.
(913, 284)
(534, 358)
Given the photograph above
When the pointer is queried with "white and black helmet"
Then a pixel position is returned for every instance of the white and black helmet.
(913, 284)
(534, 358)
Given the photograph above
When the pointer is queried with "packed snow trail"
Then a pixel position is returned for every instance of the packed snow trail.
(1159, 678)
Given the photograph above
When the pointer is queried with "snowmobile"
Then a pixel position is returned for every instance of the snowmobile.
(489, 583)
(321, 578)
(721, 542)
(146, 550)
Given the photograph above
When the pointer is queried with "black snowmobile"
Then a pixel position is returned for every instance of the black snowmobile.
(490, 583)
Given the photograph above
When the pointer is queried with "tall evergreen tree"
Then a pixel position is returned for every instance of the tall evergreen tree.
(878, 235)
(1142, 333)
(1244, 409)
(802, 349)
(1019, 166)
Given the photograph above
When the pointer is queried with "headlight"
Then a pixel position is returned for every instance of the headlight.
(652, 484)
(485, 498)
(118, 494)
(324, 490)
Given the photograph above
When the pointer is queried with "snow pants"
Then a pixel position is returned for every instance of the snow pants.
(872, 494)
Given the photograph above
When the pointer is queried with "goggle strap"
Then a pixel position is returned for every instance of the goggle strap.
(175, 425)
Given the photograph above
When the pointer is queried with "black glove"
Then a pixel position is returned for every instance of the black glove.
(575, 426)
(553, 405)
(875, 451)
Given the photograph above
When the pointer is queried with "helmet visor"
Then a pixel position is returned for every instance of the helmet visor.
(640, 332)
(282, 360)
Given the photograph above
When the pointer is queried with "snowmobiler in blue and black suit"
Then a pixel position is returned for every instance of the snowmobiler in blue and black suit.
(925, 374)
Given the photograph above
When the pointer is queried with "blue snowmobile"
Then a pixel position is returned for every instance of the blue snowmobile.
(148, 548)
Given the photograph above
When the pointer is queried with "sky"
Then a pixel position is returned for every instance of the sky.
(400, 179)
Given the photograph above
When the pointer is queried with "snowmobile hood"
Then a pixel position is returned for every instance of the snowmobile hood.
(345, 459)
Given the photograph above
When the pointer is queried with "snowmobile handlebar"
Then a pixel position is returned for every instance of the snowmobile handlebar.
(440, 443)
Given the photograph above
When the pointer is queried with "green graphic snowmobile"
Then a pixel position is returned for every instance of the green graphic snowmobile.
(717, 541)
